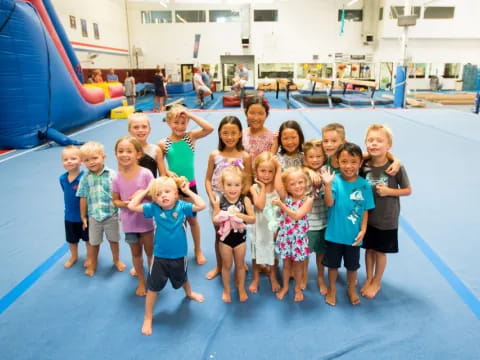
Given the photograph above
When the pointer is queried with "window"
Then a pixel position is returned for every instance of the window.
(73, 22)
(396, 11)
(96, 33)
(439, 12)
(451, 71)
(416, 70)
(280, 70)
(145, 15)
(380, 14)
(83, 22)
(265, 15)
(223, 16)
(314, 69)
(190, 16)
(351, 15)
(160, 17)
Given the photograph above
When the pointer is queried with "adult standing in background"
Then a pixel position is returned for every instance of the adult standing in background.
(129, 84)
(240, 79)
(111, 76)
(200, 87)
(159, 102)
(206, 79)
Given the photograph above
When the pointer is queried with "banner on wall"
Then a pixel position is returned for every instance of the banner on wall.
(196, 45)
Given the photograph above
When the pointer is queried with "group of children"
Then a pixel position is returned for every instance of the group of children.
(292, 197)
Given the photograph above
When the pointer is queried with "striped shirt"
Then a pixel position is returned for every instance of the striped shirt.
(98, 191)
(317, 218)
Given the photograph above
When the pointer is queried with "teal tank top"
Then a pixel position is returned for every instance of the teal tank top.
(180, 156)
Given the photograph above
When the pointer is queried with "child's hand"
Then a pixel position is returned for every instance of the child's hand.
(359, 238)
(84, 223)
(185, 186)
(261, 184)
(216, 203)
(382, 190)
(276, 201)
(315, 177)
(394, 168)
(326, 175)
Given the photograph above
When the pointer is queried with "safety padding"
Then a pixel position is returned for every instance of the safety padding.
(115, 90)
(231, 100)
(122, 112)
(179, 88)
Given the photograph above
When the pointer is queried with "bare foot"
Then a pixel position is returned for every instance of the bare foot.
(353, 296)
(298, 296)
(322, 287)
(86, 264)
(195, 297)
(372, 291)
(119, 265)
(281, 294)
(275, 285)
(212, 274)
(303, 285)
(242, 296)
(70, 262)
(141, 290)
(133, 272)
(201, 259)
(331, 297)
(226, 297)
(147, 326)
(365, 285)
(90, 271)
(253, 288)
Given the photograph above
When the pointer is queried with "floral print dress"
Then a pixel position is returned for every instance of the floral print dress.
(292, 239)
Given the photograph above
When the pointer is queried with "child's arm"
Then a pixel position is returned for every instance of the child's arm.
(295, 215)
(274, 148)
(314, 177)
(206, 127)
(83, 212)
(117, 201)
(327, 178)
(249, 217)
(216, 210)
(258, 198)
(209, 175)
(394, 166)
(162, 167)
(278, 184)
(384, 190)
(136, 203)
(198, 203)
(247, 163)
(363, 229)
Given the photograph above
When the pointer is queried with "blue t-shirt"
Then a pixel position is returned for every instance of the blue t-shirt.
(170, 240)
(351, 199)
(70, 198)
(112, 77)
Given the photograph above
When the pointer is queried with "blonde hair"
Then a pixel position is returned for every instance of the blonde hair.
(265, 156)
(72, 148)
(339, 128)
(379, 127)
(174, 111)
(313, 144)
(132, 140)
(287, 173)
(163, 181)
(137, 116)
(232, 171)
(92, 147)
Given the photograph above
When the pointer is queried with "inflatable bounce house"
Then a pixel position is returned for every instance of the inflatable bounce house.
(41, 91)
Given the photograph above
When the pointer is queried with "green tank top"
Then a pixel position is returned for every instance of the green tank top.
(180, 155)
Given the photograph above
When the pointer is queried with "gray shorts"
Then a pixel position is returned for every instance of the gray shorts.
(96, 228)
(134, 237)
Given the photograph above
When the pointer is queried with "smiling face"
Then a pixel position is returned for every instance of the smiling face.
(331, 140)
(265, 172)
(126, 153)
(296, 184)
(178, 125)
(94, 160)
(256, 116)
(314, 158)
(290, 141)
(230, 135)
(232, 186)
(377, 144)
(349, 165)
(71, 159)
(139, 128)
(166, 195)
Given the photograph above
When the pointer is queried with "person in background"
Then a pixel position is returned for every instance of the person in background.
(240, 79)
(200, 87)
(111, 76)
(160, 93)
(97, 76)
(129, 85)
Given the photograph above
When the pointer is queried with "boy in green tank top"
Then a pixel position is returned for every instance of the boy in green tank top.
(179, 150)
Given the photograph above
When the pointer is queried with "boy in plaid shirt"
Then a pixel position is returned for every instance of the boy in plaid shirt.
(95, 193)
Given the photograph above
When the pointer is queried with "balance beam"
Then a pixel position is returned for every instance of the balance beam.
(368, 84)
(178, 101)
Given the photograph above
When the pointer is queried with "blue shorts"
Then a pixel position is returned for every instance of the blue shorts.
(335, 252)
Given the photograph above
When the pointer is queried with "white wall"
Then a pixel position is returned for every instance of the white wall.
(110, 15)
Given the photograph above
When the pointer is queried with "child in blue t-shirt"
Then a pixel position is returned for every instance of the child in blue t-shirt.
(349, 197)
(72, 159)
(170, 241)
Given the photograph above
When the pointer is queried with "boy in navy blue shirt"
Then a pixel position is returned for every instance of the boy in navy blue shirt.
(71, 159)
(349, 197)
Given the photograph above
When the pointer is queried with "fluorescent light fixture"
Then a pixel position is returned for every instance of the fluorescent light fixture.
(351, 2)
(181, 19)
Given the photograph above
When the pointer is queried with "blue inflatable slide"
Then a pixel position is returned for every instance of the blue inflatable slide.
(41, 91)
